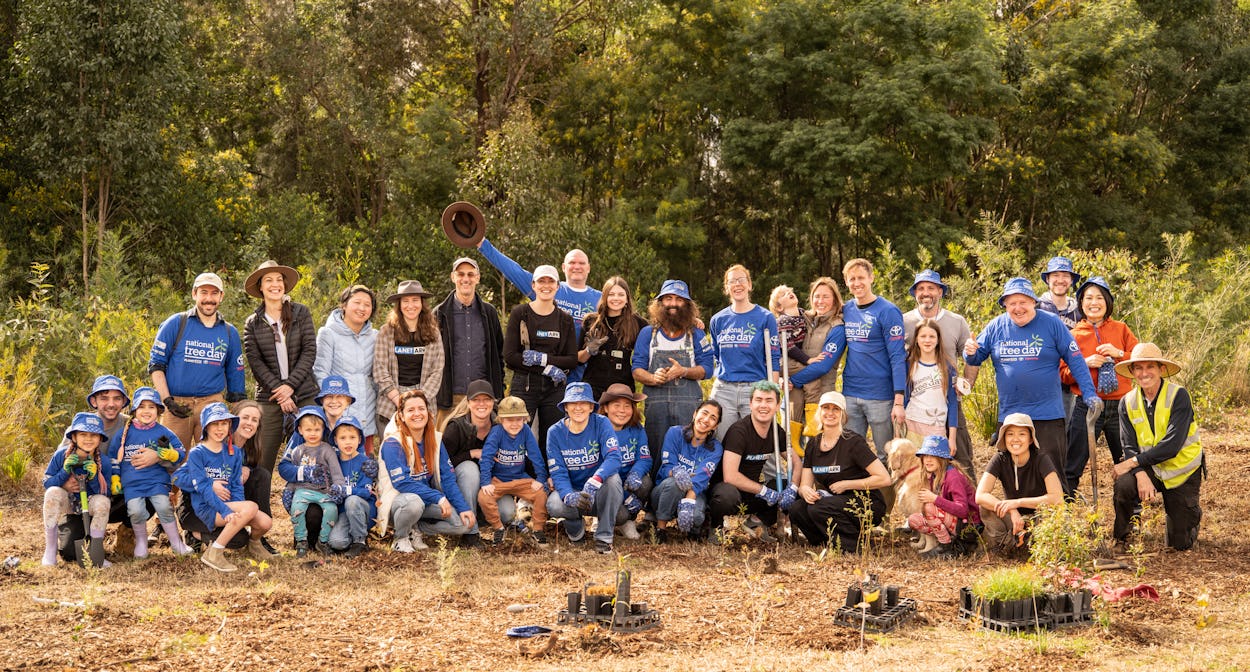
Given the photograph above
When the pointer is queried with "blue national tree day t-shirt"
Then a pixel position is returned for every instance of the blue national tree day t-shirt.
(876, 354)
(737, 342)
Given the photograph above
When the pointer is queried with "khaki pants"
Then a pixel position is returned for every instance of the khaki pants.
(522, 488)
(188, 429)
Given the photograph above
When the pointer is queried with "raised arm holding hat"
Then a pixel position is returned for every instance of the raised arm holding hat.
(573, 296)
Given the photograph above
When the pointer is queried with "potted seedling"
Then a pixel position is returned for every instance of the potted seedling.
(1065, 542)
(1006, 599)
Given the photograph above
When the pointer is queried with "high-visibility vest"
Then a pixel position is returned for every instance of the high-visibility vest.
(1171, 472)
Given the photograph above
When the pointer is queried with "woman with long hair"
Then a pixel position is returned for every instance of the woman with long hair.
(606, 345)
(408, 354)
(691, 455)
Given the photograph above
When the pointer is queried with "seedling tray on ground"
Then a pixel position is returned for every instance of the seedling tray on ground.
(1070, 610)
(992, 615)
(886, 621)
(631, 623)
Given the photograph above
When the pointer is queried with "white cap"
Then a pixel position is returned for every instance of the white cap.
(465, 260)
(833, 397)
(207, 279)
(546, 271)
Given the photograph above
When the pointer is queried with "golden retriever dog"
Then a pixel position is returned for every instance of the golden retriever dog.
(906, 474)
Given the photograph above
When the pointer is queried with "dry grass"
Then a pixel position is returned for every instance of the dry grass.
(722, 609)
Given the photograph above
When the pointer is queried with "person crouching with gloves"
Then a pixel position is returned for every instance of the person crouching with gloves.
(584, 460)
(690, 457)
(74, 466)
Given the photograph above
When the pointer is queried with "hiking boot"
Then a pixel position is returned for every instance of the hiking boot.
(355, 550)
(258, 550)
(630, 530)
(471, 540)
(540, 537)
(496, 536)
(602, 547)
(216, 558)
(301, 548)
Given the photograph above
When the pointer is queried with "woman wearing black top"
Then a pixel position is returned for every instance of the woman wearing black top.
(464, 431)
(608, 334)
(540, 347)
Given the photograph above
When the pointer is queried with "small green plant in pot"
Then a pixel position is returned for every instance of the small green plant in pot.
(1006, 595)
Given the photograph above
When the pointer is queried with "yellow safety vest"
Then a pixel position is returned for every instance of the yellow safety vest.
(1175, 471)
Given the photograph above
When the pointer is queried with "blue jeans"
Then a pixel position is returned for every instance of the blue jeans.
(607, 504)
(305, 497)
(735, 402)
(469, 478)
(875, 413)
(137, 509)
(353, 526)
(665, 498)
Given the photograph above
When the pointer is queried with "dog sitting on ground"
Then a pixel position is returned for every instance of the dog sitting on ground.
(906, 474)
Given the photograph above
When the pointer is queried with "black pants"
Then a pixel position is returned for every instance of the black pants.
(1078, 438)
(725, 500)
(1051, 437)
(1180, 504)
(835, 513)
(257, 488)
(542, 397)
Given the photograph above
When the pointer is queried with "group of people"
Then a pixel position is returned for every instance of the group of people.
(407, 428)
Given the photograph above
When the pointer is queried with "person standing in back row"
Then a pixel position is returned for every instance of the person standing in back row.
(742, 356)
(573, 296)
(875, 376)
(472, 339)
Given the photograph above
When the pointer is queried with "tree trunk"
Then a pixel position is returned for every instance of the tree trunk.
(481, 83)
(84, 212)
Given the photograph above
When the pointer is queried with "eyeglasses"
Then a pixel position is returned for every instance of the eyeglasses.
(737, 281)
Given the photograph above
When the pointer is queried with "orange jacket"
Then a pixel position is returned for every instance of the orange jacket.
(1112, 331)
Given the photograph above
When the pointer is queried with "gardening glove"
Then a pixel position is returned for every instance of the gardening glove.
(72, 460)
(555, 373)
(116, 485)
(632, 504)
(593, 345)
(685, 514)
(369, 468)
(633, 481)
(235, 397)
(179, 410)
(534, 358)
(592, 486)
(338, 493)
(89, 467)
(786, 500)
(571, 500)
(770, 496)
(166, 452)
(681, 477)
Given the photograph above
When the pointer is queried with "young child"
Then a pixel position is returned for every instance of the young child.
(76, 465)
(358, 508)
(947, 497)
(213, 478)
(932, 405)
(784, 304)
(334, 399)
(143, 455)
(313, 476)
(507, 448)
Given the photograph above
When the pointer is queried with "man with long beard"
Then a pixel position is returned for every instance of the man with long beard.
(671, 356)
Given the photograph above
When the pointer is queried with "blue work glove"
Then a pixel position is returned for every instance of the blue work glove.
(572, 499)
(288, 498)
(369, 467)
(681, 477)
(592, 486)
(632, 504)
(686, 509)
(338, 493)
(534, 358)
(311, 473)
(787, 497)
(770, 496)
(633, 481)
(555, 373)
(72, 460)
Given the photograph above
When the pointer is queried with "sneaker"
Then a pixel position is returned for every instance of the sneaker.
(580, 541)
(496, 536)
(403, 545)
(301, 548)
(264, 541)
(602, 547)
(417, 543)
(540, 537)
(471, 540)
(630, 530)
(355, 550)
(759, 530)
(195, 543)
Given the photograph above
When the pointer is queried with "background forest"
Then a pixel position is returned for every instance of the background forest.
(142, 141)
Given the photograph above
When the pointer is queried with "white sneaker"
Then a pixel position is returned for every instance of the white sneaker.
(630, 530)
(403, 545)
(417, 544)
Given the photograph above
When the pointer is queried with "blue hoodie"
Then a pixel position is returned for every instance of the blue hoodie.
(197, 475)
(343, 352)
(149, 481)
(361, 485)
(700, 461)
(55, 475)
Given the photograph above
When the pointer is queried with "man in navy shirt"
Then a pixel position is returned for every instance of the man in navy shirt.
(195, 356)
(1026, 346)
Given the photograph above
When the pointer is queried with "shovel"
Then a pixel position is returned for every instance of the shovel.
(1091, 414)
(88, 551)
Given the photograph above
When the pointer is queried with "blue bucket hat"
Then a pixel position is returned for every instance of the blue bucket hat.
(350, 421)
(935, 445)
(1017, 286)
(1094, 280)
(675, 288)
(578, 392)
(87, 422)
(104, 384)
(147, 394)
(216, 412)
(1061, 264)
(314, 411)
(334, 385)
(929, 275)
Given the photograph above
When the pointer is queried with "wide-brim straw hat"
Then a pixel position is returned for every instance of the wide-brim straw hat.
(290, 277)
(1147, 352)
(463, 224)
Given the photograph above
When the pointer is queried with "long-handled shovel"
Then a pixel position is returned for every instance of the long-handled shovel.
(1090, 416)
(88, 551)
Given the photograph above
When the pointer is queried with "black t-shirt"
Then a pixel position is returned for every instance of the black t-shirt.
(553, 334)
(613, 364)
(409, 358)
(1026, 481)
(741, 438)
(848, 460)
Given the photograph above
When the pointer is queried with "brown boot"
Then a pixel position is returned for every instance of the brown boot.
(216, 558)
(257, 548)
(124, 541)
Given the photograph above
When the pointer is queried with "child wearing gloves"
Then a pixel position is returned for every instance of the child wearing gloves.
(77, 465)
(313, 477)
